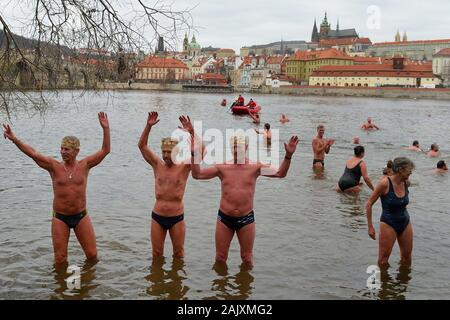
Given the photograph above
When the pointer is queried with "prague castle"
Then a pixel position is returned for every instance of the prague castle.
(327, 33)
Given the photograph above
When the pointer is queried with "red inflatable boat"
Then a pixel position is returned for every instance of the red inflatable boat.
(245, 110)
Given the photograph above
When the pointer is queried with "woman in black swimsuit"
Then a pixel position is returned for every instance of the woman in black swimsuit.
(354, 169)
(395, 223)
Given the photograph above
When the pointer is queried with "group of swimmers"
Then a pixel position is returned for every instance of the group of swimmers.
(392, 189)
(238, 181)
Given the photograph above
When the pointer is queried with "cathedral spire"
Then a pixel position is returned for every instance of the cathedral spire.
(397, 36)
(315, 33)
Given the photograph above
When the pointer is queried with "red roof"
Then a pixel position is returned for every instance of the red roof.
(211, 76)
(413, 42)
(275, 60)
(157, 62)
(376, 70)
(443, 53)
(319, 54)
(344, 41)
(216, 78)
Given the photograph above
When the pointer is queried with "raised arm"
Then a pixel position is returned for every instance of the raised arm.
(197, 172)
(282, 171)
(189, 128)
(146, 152)
(365, 175)
(98, 157)
(379, 190)
(42, 161)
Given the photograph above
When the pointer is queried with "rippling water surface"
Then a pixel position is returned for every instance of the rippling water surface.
(311, 242)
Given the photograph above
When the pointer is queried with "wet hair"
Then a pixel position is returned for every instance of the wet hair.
(441, 164)
(359, 150)
(401, 163)
(320, 126)
(434, 147)
(70, 142)
(389, 164)
(267, 126)
(415, 143)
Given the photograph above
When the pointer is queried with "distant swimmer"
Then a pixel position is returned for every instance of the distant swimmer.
(369, 125)
(434, 151)
(415, 146)
(354, 169)
(69, 178)
(267, 133)
(170, 185)
(441, 167)
(238, 181)
(284, 119)
(395, 221)
(356, 140)
(256, 118)
(320, 147)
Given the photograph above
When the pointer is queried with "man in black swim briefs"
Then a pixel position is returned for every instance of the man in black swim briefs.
(69, 179)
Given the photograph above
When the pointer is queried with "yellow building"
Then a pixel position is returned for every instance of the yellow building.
(396, 73)
(302, 64)
(156, 68)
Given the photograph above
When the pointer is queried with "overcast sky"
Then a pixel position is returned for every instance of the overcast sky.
(237, 23)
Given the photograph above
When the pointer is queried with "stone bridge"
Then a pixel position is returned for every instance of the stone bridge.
(55, 75)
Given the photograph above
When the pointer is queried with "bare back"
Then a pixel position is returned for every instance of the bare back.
(353, 162)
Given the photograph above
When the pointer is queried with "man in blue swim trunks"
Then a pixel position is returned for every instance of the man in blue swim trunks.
(69, 179)
(238, 180)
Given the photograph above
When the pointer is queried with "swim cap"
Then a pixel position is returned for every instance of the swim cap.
(70, 142)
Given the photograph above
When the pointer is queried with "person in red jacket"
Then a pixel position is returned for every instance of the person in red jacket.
(251, 104)
(240, 101)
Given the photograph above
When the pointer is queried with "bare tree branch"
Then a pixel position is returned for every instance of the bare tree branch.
(76, 42)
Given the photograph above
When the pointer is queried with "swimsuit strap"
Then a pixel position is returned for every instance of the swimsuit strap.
(391, 186)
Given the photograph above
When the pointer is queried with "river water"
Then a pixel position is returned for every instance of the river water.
(311, 242)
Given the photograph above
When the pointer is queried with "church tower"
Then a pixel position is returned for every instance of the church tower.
(405, 37)
(397, 36)
(185, 43)
(324, 28)
(315, 33)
